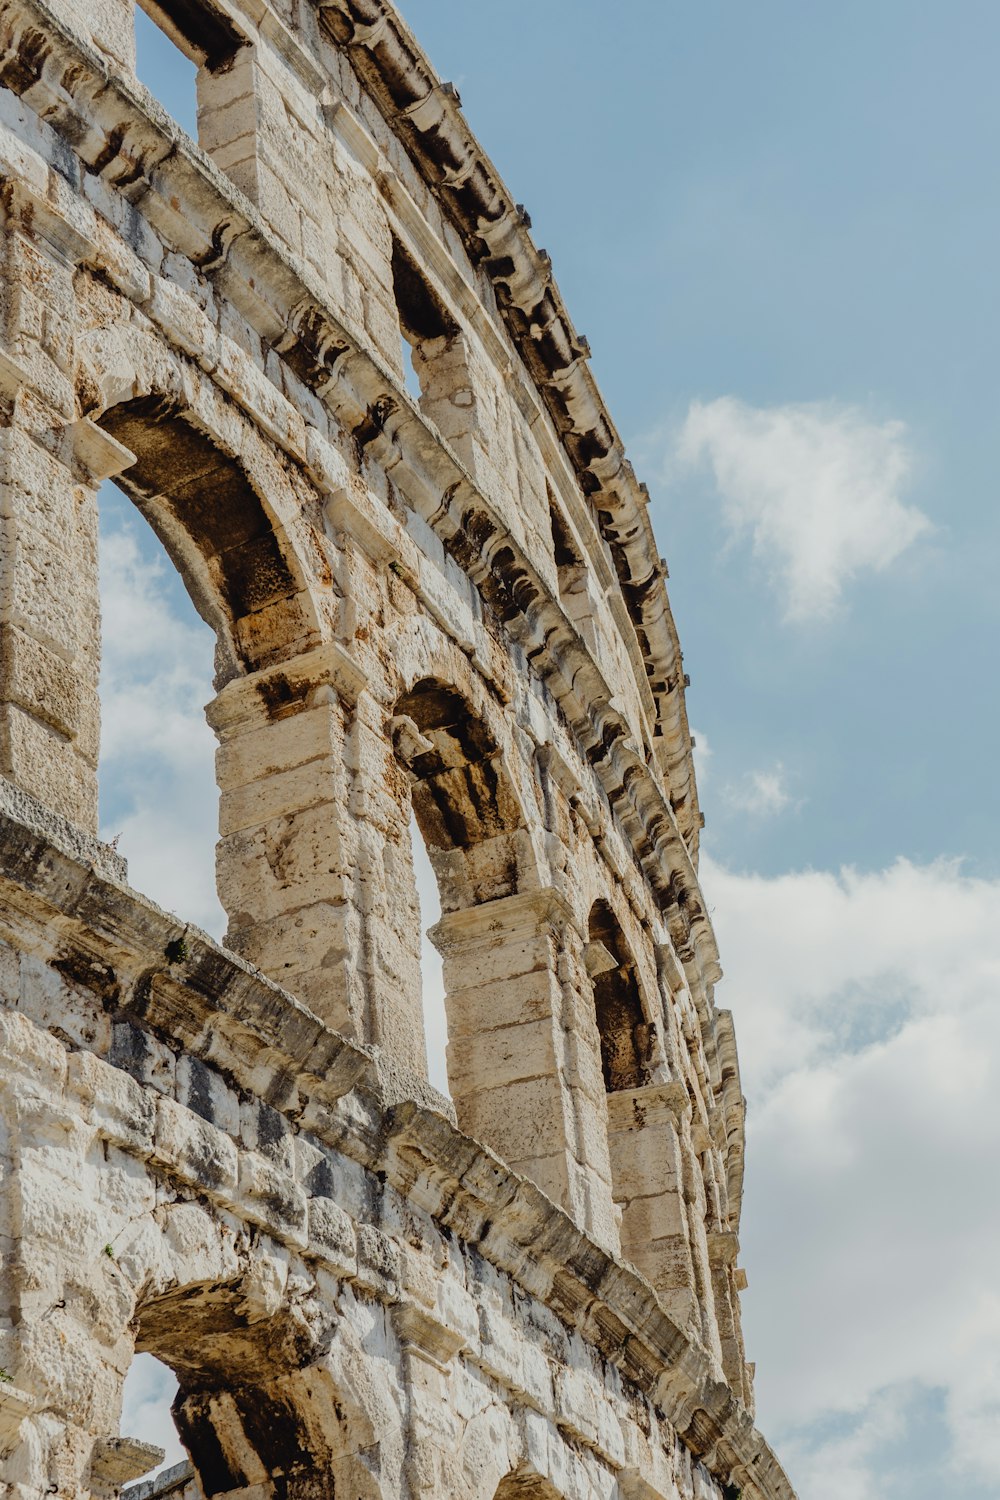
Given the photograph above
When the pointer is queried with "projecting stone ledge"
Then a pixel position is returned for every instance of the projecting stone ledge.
(233, 1105)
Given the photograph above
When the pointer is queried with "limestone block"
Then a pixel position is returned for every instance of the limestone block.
(195, 1150)
(271, 1198)
(331, 1235)
(123, 1112)
(199, 1088)
(519, 1121)
(499, 1057)
(148, 1061)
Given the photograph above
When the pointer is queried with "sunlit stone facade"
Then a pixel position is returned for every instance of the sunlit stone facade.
(448, 607)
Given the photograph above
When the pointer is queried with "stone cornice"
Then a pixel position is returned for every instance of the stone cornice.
(427, 116)
(218, 1007)
(141, 152)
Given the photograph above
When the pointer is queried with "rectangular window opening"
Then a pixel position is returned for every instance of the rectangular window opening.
(173, 41)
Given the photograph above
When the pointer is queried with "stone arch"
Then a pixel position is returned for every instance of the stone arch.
(463, 795)
(271, 1393)
(626, 1036)
(193, 479)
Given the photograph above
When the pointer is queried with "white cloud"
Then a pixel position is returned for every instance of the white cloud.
(762, 794)
(149, 1390)
(816, 486)
(868, 1016)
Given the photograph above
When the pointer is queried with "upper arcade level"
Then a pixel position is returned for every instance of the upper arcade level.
(359, 162)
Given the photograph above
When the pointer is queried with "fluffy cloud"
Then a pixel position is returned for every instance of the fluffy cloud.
(149, 1390)
(761, 794)
(869, 1028)
(816, 487)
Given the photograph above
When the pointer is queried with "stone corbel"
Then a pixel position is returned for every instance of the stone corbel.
(422, 1335)
(558, 768)
(598, 959)
(102, 455)
(669, 968)
(407, 741)
(723, 1247)
(116, 1460)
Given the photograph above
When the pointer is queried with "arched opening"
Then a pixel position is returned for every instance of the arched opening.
(263, 1400)
(572, 573)
(466, 835)
(625, 1034)
(463, 800)
(236, 607)
(156, 772)
(150, 1388)
(217, 531)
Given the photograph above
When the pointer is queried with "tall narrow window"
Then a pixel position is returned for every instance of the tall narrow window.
(174, 40)
(572, 574)
(622, 1027)
(149, 1390)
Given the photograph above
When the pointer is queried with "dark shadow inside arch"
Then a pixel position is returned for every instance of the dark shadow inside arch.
(463, 799)
(621, 1023)
(216, 529)
(257, 1404)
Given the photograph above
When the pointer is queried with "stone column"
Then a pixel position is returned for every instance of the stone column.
(281, 861)
(313, 863)
(50, 467)
(516, 1077)
(647, 1168)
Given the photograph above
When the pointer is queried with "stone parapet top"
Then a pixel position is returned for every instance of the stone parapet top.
(178, 981)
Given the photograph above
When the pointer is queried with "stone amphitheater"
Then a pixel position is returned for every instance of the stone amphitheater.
(447, 606)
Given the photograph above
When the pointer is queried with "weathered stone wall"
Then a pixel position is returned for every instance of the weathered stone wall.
(451, 608)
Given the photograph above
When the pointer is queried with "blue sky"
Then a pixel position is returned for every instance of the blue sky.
(773, 224)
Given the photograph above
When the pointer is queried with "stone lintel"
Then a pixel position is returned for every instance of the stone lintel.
(423, 1335)
(305, 681)
(504, 920)
(654, 1104)
(102, 455)
(115, 1460)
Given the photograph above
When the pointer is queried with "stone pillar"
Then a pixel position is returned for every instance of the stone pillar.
(50, 468)
(516, 1076)
(647, 1169)
(313, 863)
(281, 862)
(723, 1249)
